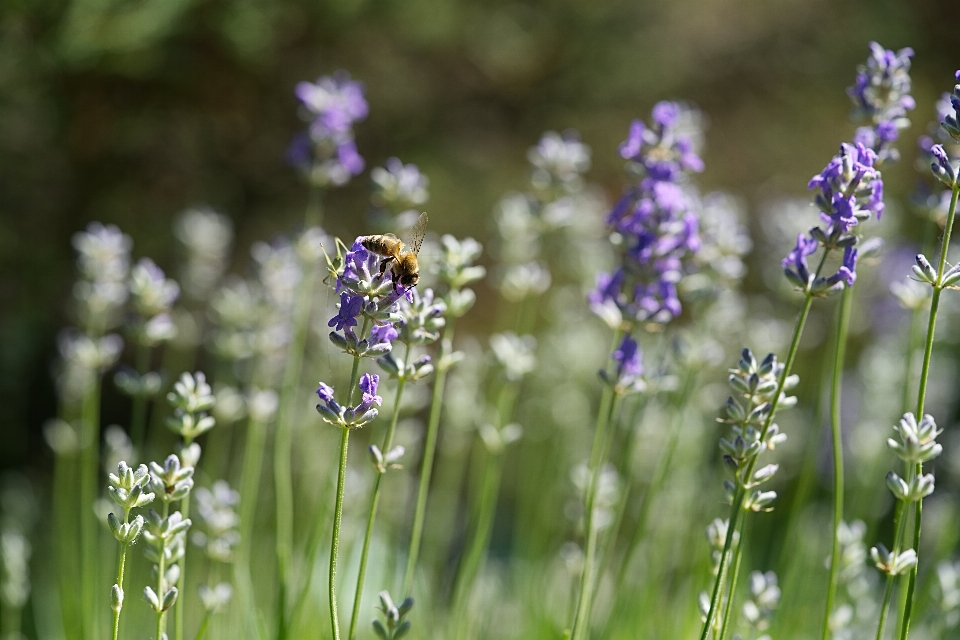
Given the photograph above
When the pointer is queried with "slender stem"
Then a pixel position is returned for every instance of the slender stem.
(734, 577)
(120, 567)
(179, 606)
(922, 394)
(282, 452)
(604, 415)
(916, 324)
(480, 540)
(372, 516)
(89, 473)
(659, 475)
(161, 570)
(138, 414)
(429, 453)
(249, 484)
(740, 494)
(335, 539)
(203, 625)
(338, 505)
(843, 328)
(900, 523)
(313, 547)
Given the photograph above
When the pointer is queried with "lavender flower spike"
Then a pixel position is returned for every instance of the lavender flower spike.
(881, 95)
(350, 417)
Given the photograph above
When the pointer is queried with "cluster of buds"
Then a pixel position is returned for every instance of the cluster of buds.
(943, 166)
(398, 191)
(191, 399)
(166, 536)
(396, 627)
(129, 488)
(152, 295)
(218, 521)
(104, 263)
(915, 444)
(764, 598)
(756, 385)
(350, 417)
(165, 547)
(627, 377)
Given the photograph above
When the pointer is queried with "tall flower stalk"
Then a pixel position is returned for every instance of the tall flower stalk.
(881, 95)
(455, 270)
(191, 399)
(917, 440)
(327, 155)
(656, 230)
(366, 292)
(128, 488)
(419, 323)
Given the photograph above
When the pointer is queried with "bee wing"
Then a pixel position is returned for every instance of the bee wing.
(414, 238)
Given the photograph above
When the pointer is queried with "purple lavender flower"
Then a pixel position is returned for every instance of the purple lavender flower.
(327, 153)
(655, 218)
(881, 95)
(951, 121)
(350, 307)
(368, 385)
(383, 333)
(350, 417)
(336, 102)
(627, 376)
(941, 166)
(850, 189)
(795, 264)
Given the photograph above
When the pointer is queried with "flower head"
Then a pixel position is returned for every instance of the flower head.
(881, 95)
(327, 152)
(349, 309)
(350, 417)
(657, 229)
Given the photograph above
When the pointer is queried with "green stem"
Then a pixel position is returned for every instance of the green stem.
(604, 415)
(89, 474)
(429, 453)
(843, 329)
(916, 324)
(203, 625)
(338, 505)
(179, 606)
(120, 566)
(250, 473)
(900, 522)
(138, 414)
(313, 547)
(480, 540)
(734, 578)
(372, 516)
(335, 539)
(659, 475)
(161, 570)
(922, 394)
(282, 452)
(740, 494)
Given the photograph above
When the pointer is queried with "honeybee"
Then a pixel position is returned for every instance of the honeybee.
(402, 258)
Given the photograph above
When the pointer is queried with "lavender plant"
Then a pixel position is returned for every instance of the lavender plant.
(128, 488)
(656, 236)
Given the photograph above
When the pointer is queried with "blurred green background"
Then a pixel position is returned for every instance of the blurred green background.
(129, 111)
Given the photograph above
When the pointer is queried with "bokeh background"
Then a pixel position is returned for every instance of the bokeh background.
(129, 112)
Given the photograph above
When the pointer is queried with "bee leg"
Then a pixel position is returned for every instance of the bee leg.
(383, 264)
(396, 283)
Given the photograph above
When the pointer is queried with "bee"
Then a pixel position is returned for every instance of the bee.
(400, 257)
